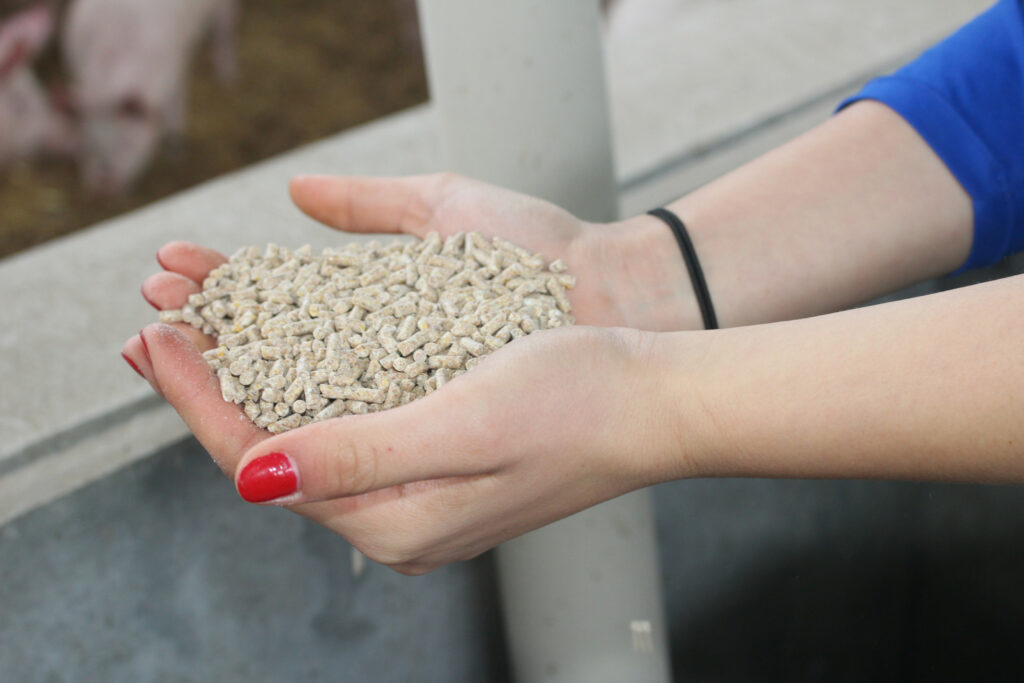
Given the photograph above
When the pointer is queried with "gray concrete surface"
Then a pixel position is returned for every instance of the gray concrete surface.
(684, 74)
(160, 573)
(843, 581)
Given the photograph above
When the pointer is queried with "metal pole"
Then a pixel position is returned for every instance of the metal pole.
(519, 94)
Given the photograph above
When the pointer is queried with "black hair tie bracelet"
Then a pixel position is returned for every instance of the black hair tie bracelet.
(700, 286)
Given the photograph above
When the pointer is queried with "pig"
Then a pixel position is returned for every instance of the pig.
(128, 61)
(29, 123)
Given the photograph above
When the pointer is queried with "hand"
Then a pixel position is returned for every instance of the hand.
(550, 425)
(543, 428)
(629, 273)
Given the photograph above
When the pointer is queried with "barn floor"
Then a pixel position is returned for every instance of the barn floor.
(308, 68)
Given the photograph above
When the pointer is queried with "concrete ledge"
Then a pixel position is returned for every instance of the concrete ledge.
(72, 410)
(684, 75)
(702, 92)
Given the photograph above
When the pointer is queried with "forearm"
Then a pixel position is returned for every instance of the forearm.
(928, 388)
(855, 208)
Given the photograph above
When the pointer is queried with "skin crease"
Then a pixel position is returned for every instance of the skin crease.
(567, 418)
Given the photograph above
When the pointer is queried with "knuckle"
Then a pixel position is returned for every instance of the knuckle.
(448, 177)
(449, 180)
(176, 244)
(355, 468)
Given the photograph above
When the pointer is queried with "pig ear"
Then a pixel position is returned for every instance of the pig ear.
(23, 35)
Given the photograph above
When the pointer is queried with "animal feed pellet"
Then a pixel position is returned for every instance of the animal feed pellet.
(366, 327)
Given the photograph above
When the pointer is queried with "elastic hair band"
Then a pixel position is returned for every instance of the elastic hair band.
(700, 286)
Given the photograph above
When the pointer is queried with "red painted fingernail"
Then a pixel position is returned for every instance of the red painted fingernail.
(268, 477)
(148, 300)
(145, 346)
(161, 263)
(134, 366)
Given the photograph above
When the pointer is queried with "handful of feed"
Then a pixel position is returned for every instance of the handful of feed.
(366, 327)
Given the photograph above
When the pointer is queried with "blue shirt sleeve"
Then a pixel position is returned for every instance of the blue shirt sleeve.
(965, 97)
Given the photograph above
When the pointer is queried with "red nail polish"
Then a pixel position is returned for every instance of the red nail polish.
(134, 366)
(148, 300)
(268, 477)
(145, 346)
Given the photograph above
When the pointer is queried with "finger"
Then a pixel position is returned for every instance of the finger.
(359, 454)
(202, 342)
(191, 388)
(167, 290)
(134, 353)
(164, 291)
(361, 204)
(191, 260)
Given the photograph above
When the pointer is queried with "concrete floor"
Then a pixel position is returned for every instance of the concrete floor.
(160, 573)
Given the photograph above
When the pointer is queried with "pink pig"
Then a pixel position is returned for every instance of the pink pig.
(29, 124)
(128, 61)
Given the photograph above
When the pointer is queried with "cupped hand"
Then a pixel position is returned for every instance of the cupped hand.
(628, 273)
(543, 428)
(547, 426)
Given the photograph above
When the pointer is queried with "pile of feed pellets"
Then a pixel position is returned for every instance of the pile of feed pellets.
(366, 327)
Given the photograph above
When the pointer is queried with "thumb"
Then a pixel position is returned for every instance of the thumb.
(357, 454)
(365, 204)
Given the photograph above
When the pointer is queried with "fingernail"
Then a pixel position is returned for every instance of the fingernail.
(134, 366)
(148, 300)
(267, 478)
(159, 262)
(145, 346)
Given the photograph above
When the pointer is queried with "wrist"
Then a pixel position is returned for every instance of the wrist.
(673, 427)
(644, 277)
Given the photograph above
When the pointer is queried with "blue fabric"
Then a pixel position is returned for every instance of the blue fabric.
(965, 97)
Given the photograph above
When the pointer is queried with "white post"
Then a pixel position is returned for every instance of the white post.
(518, 87)
(518, 90)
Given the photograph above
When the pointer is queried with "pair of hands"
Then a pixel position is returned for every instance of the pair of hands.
(545, 427)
